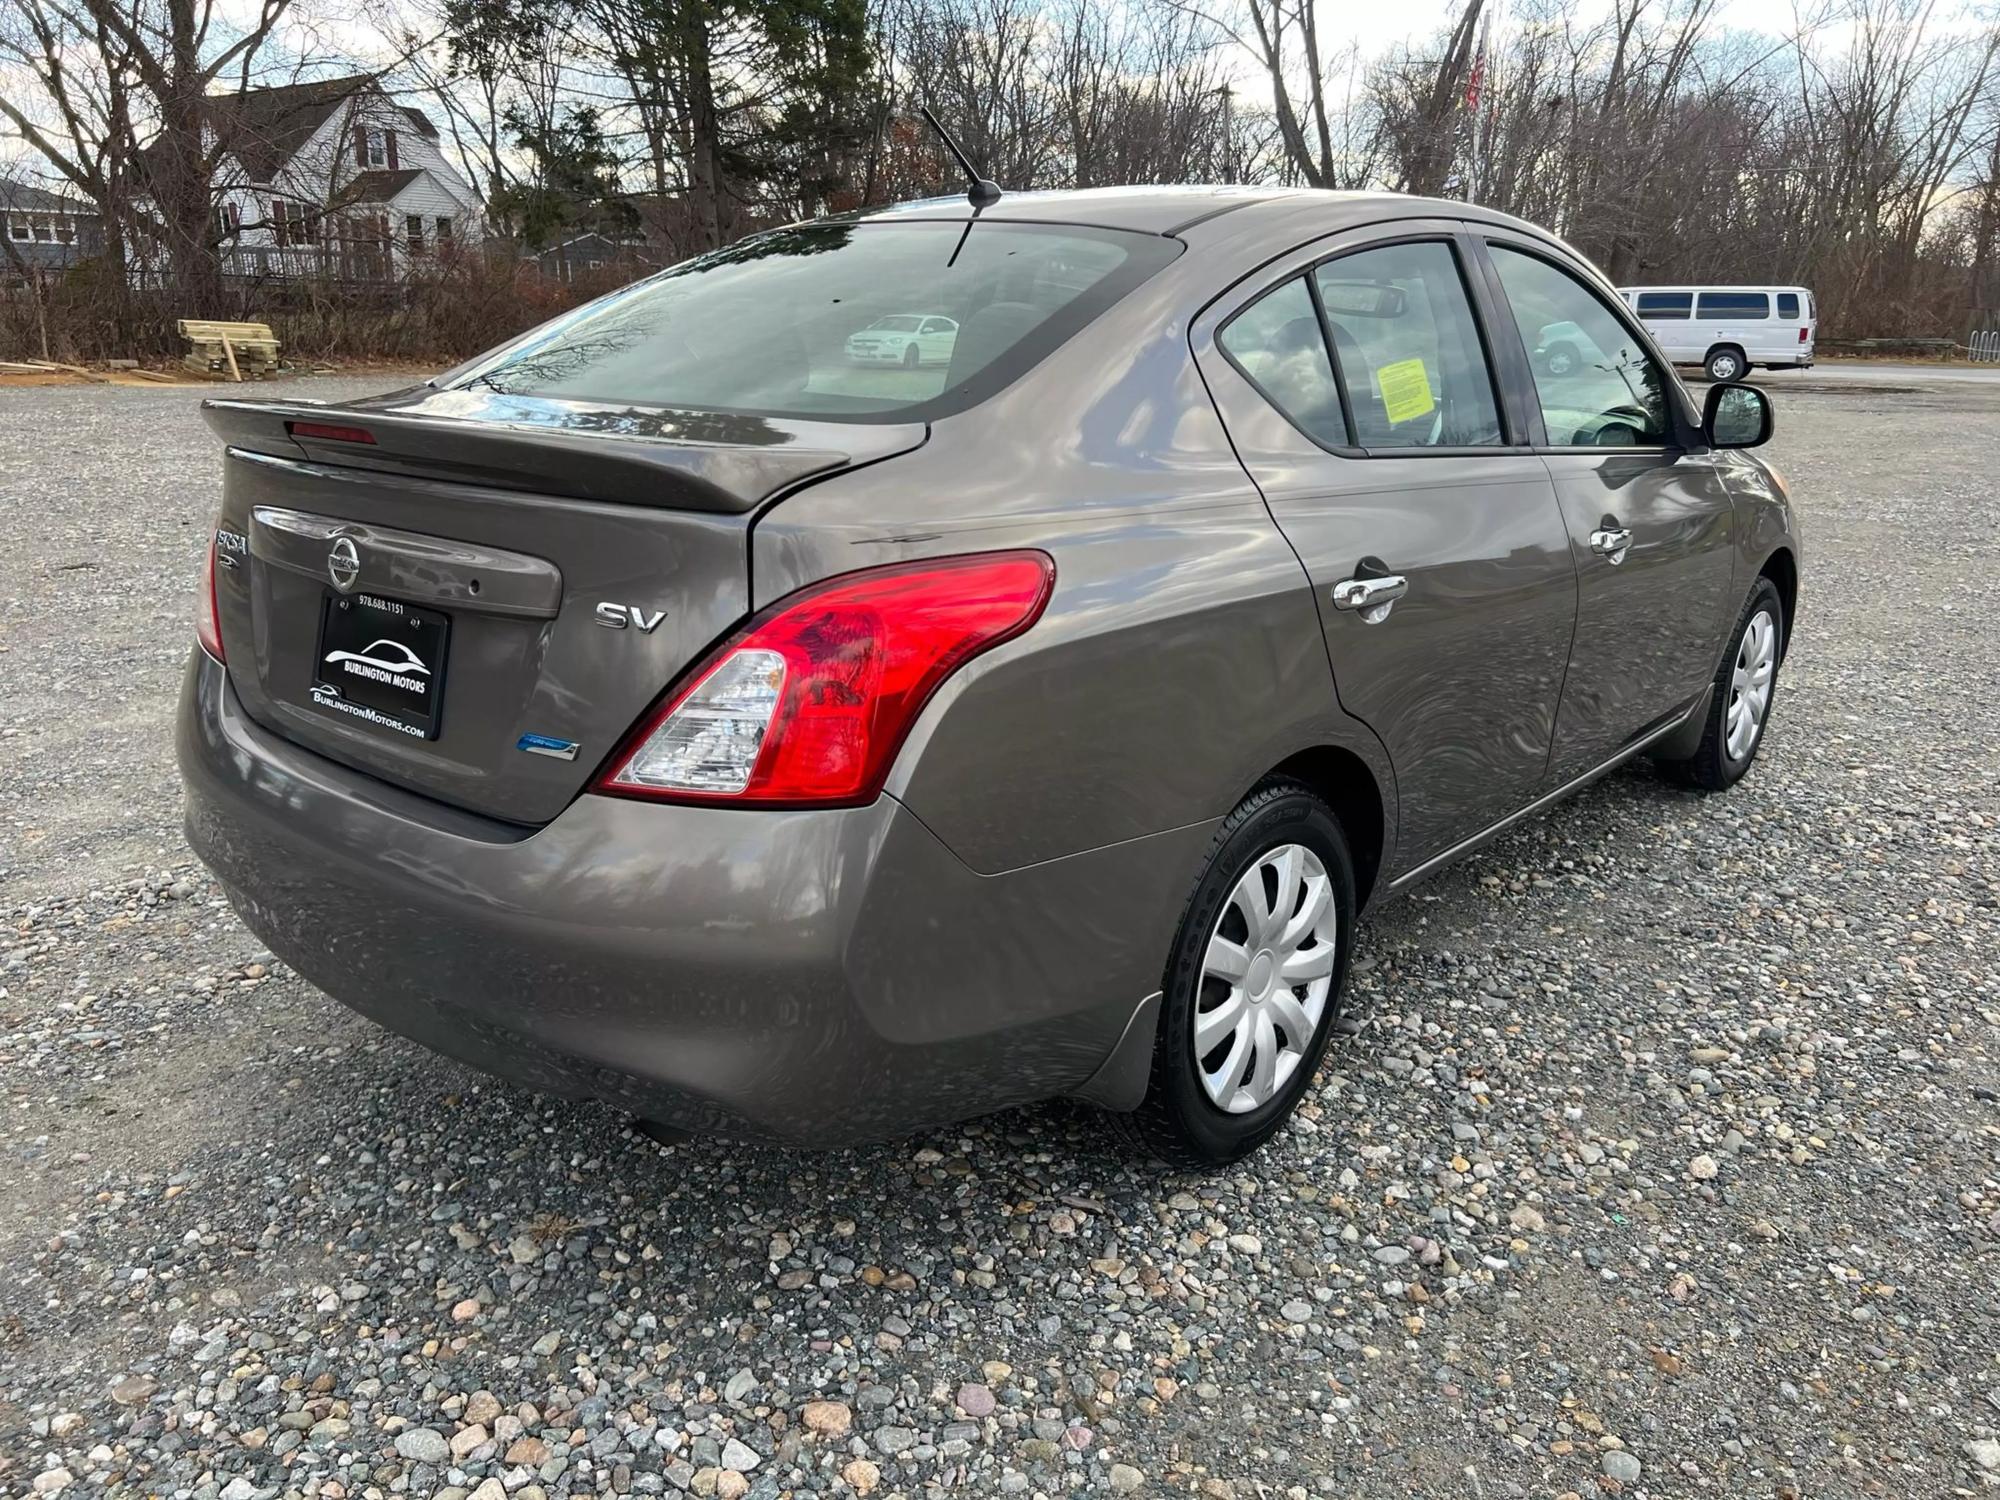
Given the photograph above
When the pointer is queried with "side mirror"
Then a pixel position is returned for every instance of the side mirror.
(1737, 416)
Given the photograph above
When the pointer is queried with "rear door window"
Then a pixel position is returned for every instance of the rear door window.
(1407, 349)
(1277, 343)
(1788, 306)
(1597, 387)
(1735, 305)
(1662, 306)
(813, 321)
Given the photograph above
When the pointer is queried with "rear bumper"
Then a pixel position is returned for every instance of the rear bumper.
(824, 977)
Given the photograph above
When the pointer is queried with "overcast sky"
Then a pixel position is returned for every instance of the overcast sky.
(1377, 25)
(351, 28)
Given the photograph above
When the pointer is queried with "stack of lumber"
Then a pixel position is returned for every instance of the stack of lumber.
(239, 350)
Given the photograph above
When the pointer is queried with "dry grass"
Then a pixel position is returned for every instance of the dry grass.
(453, 307)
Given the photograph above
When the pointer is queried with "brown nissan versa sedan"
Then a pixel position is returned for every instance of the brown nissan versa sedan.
(700, 705)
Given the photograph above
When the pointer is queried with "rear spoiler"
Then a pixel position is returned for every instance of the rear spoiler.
(671, 459)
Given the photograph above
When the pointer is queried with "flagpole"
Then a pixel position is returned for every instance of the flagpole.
(1475, 100)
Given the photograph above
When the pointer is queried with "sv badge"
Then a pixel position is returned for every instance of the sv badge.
(618, 616)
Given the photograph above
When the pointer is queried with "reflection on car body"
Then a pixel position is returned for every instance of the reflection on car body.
(908, 339)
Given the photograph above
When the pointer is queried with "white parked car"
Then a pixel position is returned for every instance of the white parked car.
(1728, 330)
(907, 339)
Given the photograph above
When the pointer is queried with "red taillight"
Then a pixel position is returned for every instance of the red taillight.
(809, 704)
(330, 432)
(207, 622)
(1804, 333)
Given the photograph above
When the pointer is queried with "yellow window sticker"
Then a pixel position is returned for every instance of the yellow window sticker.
(1406, 390)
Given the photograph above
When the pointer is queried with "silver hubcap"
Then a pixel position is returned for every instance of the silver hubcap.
(1750, 684)
(1725, 366)
(1264, 979)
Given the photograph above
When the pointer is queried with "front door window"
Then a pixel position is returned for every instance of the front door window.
(1597, 387)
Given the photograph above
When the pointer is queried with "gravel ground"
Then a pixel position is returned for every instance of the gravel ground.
(1664, 1159)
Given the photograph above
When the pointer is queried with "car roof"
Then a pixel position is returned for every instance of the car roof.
(1149, 210)
(1171, 209)
(1715, 286)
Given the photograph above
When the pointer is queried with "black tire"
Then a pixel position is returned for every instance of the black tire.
(1712, 768)
(1177, 1122)
(1726, 362)
(912, 356)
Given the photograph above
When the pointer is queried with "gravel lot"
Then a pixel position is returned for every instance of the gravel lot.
(1665, 1159)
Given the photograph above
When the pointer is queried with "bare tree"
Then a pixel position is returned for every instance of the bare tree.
(68, 87)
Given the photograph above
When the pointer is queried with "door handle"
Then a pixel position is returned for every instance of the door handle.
(1610, 542)
(1372, 598)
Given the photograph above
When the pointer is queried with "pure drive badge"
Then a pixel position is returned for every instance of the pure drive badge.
(547, 744)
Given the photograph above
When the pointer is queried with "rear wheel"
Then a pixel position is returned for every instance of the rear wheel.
(1726, 362)
(1560, 359)
(1253, 982)
(910, 356)
(1746, 689)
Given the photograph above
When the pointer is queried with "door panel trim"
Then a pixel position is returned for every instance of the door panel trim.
(1645, 740)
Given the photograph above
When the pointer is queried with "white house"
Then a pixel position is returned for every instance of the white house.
(334, 177)
(43, 231)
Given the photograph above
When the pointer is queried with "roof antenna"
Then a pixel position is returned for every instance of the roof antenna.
(984, 192)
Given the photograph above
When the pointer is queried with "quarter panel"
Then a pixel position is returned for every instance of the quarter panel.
(1179, 658)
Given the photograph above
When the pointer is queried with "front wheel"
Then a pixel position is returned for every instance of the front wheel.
(1253, 981)
(1745, 692)
(911, 356)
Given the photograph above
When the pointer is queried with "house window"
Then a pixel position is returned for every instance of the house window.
(294, 223)
(413, 226)
(374, 148)
(20, 229)
(66, 230)
(444, 229)
(228, 219)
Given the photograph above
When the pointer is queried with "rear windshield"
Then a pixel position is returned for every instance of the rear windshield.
(895, 322)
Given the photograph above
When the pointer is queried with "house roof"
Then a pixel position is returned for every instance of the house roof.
(264, 128)
(377, 187)
(588, 236)
(26, 198)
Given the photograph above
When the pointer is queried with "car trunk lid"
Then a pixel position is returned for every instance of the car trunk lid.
(476, 596)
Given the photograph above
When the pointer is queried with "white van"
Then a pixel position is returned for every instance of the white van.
(1728, 330)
